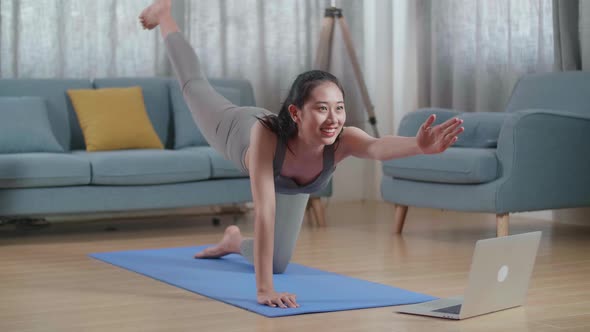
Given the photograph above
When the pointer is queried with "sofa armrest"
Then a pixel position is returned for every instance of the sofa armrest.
(412, 121)
(544, 158)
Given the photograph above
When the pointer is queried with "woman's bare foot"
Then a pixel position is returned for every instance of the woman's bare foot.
(153, 14)
(230, 244)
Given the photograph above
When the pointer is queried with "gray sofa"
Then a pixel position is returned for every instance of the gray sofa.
(187, 173)
(533, 156)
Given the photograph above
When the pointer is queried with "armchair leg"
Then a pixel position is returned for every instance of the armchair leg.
(318, 210)
(400, 212)
(502, 221)
(309, 216)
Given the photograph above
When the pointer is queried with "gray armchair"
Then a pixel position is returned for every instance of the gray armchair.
(533, 156)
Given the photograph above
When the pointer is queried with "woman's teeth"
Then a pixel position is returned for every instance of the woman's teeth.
(328, 132)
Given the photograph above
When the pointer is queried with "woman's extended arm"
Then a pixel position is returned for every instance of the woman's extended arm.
(428, 140)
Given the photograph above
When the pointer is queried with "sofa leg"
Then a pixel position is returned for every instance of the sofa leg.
(318, 211)
(399, 218)
(502, 221)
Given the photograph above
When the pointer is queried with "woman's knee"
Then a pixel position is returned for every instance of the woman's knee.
(191, 87)
(280, 267)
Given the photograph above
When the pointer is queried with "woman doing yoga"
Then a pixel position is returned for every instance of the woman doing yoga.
(287, 156)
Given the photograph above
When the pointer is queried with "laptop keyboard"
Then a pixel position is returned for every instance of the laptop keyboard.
(456, 309)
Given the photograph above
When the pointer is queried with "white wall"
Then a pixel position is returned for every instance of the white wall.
(354, 178)
(385, 48)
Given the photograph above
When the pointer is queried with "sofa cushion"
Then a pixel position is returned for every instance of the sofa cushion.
(455, 165)
(30, 170)
(146, 167)
(61, 113)
(220, 167)
(25, 127)
(155, 97)
(482, 129)
(186, 131)
(114, 119)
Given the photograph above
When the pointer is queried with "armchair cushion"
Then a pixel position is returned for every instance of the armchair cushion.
(481, 129)
(455, 165)
(412, 121)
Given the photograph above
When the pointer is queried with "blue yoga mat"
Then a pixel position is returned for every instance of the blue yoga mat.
(231, 280)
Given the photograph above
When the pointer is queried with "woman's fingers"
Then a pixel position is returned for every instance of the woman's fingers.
(451, 137)
(449, 134)
(290, 302)
(283, 301)
(450, 142)
(279, 302)
(450, 123)
(458, 131)
(446, 140)
(451, 131)
(429, 122)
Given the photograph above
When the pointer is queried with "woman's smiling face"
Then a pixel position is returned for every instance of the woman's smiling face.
(323, 115)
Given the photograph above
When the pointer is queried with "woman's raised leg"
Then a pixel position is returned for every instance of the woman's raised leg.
(206, 105)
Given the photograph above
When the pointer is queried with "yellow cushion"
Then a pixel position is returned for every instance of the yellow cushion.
(114, 119)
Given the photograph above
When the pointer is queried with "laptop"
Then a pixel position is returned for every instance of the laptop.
(499, 278)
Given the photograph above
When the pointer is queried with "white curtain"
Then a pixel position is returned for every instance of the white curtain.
(76, 39)
(472, 52)
(266, 42)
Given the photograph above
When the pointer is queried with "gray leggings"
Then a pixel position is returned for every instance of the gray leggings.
(226, 127)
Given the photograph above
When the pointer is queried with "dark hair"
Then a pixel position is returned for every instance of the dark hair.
(282, 124)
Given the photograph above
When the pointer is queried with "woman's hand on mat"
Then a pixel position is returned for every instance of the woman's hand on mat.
(438, 138)
(281, 300)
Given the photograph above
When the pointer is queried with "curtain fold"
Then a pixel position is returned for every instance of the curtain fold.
(477, 50)
(585, 34)
(566, 24)
(571, 26)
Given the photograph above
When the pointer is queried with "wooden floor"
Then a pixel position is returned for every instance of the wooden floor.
(48, 283)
